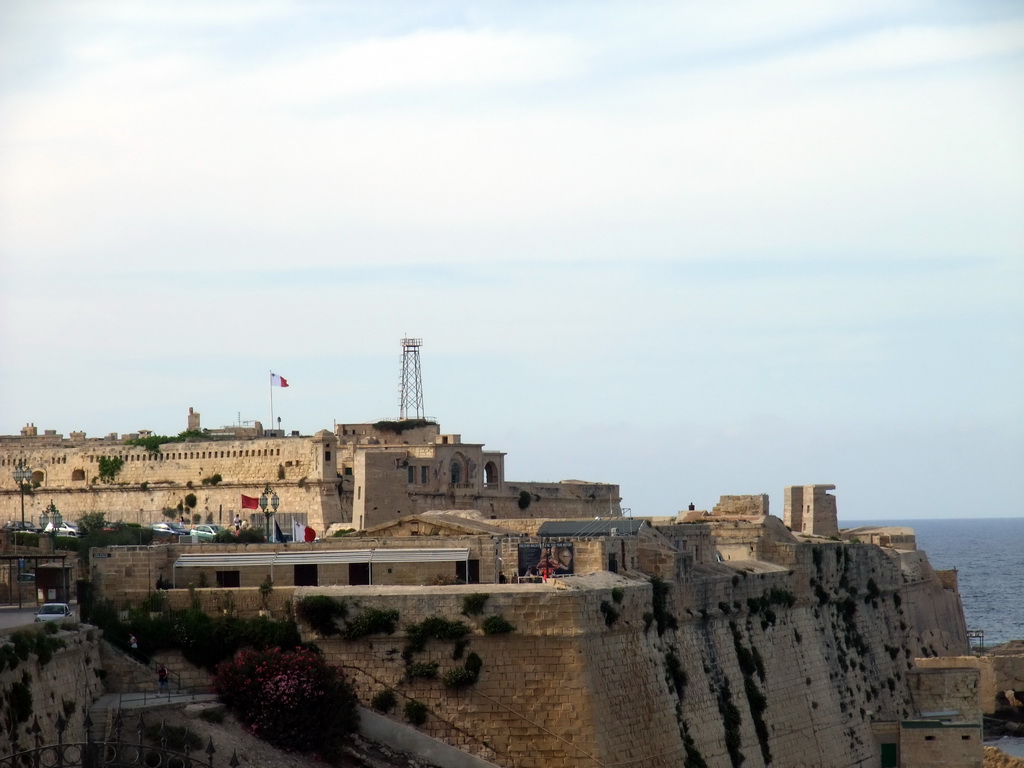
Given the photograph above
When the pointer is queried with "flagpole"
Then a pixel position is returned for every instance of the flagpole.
(271, 400)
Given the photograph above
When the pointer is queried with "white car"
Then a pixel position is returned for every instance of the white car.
(206, 531)
(64, 529)
(55, 612)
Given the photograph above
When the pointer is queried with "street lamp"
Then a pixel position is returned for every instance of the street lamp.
(22, 474)
(269, 496)
(51, 515)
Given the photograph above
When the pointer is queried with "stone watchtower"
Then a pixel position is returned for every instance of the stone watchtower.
(811, 509)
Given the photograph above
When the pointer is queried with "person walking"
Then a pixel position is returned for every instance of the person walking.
(163, 677)
(134, 644)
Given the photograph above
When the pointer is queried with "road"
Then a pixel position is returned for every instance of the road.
(11, 616)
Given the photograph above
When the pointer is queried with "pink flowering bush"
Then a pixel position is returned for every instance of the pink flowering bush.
(292, 699)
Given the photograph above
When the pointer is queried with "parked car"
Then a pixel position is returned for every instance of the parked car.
(206, 532)
(168, 529)
(17, 525)
(64, 529)
(55, 612)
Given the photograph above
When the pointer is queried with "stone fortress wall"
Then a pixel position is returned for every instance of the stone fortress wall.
(794, 658)
(359, 475)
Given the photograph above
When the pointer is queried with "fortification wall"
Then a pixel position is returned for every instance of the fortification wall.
(65, 686)
(767, 665)
(148, 483)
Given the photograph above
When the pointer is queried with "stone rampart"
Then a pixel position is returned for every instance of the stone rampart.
(64, 686)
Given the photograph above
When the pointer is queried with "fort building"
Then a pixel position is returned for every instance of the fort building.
(358, 475)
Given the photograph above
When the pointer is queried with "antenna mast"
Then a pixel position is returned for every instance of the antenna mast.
(410, 397)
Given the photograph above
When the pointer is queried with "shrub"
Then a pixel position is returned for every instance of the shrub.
(460, 677)
(617, 594)
(473, 605)
(435, 627)
(496, 625)
(610, 614)
(466, 675)
(320, 611)
(372, 621)
(383, 701)
(292, 699)
(524, 499)
(425, 669)
(109, 467)
(415, 712)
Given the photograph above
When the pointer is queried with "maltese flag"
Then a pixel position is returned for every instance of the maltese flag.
(278, 381)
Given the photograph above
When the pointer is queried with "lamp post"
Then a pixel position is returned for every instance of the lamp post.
(269, 497)
(51, 515)
(22, 474)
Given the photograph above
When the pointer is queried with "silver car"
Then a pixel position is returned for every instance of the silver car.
(55, 612)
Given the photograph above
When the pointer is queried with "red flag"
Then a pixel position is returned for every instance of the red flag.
(310, 534)
(278, 381)
(250, 502)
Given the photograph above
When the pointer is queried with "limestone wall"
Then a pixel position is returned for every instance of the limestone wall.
(806, 671)
(786, 662)
(63, 687)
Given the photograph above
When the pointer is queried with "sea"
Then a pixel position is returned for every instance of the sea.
(988, 553)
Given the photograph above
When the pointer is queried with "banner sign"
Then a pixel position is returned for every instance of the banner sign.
(546, 560)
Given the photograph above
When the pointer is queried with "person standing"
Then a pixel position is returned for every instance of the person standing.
(134, 644)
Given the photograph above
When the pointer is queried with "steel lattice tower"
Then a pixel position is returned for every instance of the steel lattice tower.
(410, 390)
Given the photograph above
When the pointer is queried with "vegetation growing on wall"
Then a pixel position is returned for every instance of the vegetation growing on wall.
(659, 605)
(372, 621)
(525, 499)
(611, 615)
(496, 625)
(473, 605)
(464, 676)
(109, 466)
(731, 721)
(152, 443)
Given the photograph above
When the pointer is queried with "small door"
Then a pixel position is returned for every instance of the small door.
(306, 575)
(613, 562)
(474, 571)
(890, 756)
(358, 573)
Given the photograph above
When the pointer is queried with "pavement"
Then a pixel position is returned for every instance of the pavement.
(151, 699)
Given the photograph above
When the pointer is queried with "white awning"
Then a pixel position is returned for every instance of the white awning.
(321, 557)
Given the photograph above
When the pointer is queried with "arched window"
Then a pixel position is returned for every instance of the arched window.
(456, 472)
(490, 473)
(77, 475)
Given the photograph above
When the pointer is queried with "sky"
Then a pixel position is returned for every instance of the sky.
(690, 248)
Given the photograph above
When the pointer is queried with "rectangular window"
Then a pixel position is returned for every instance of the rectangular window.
(412, 475)
(228, 579)
(306, 575)
(423, 475)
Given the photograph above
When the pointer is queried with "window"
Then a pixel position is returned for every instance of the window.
(423, 475)
(327, 455)
(468, 572)
(228, 579)
(965, 738)
(456, 473)
(306, 575)
(412, 475)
